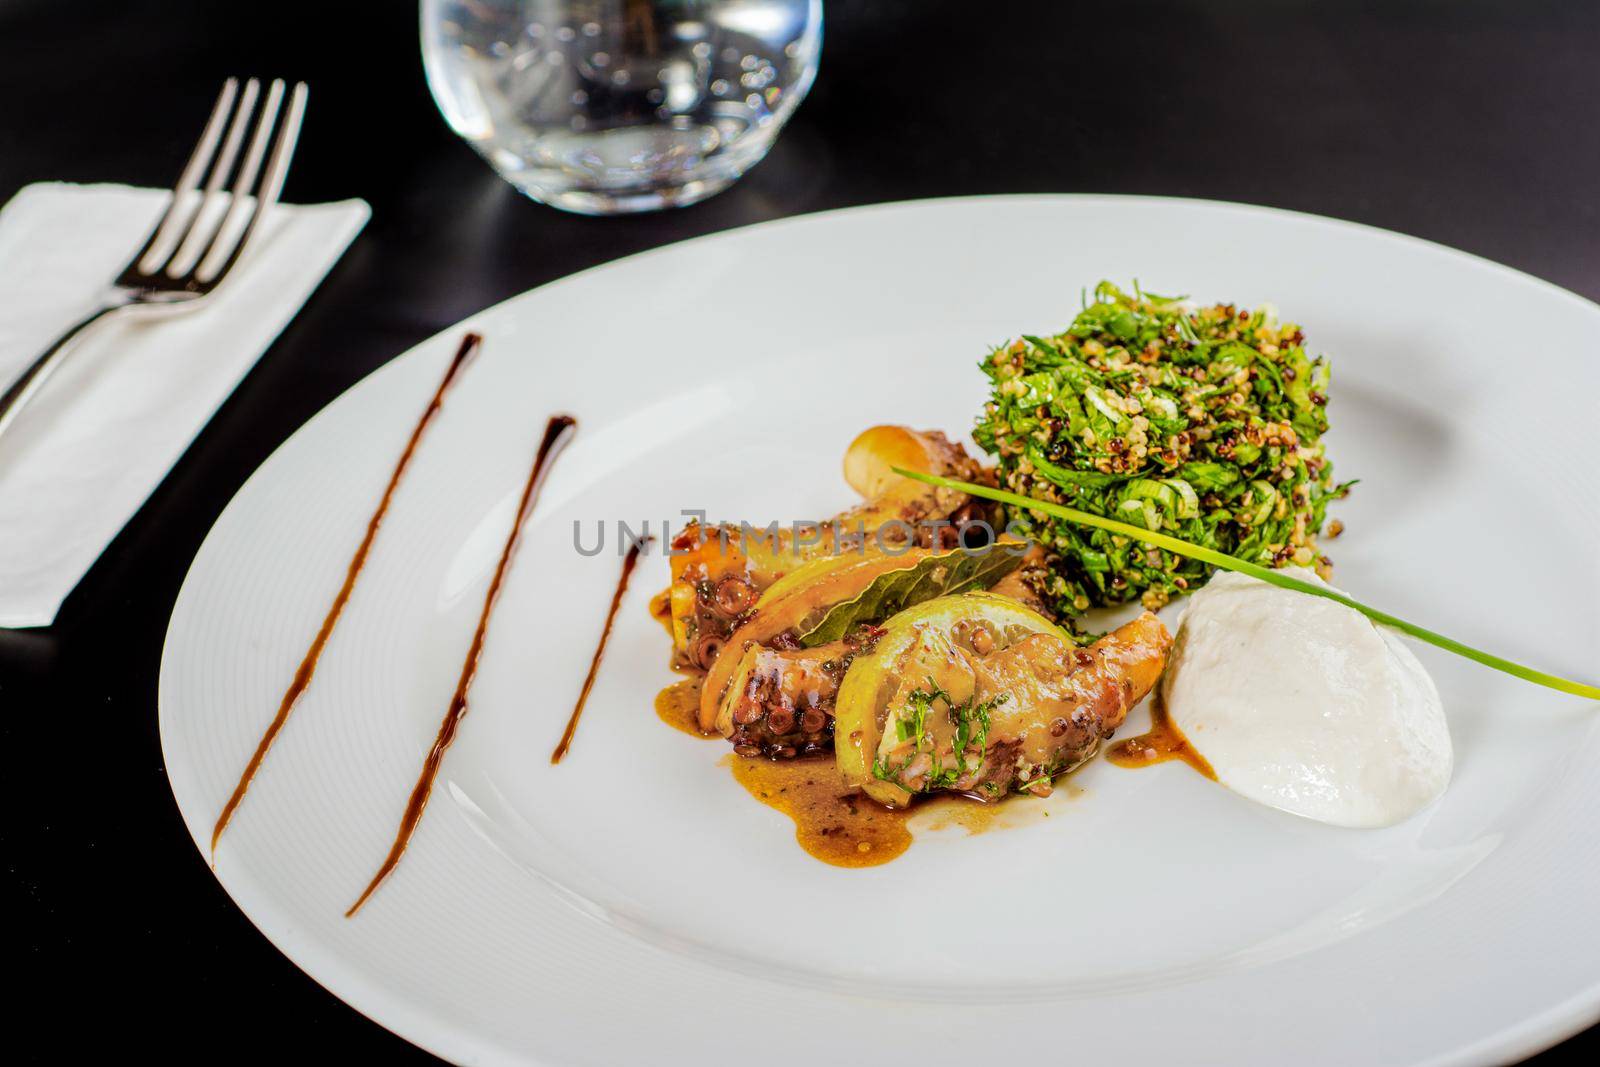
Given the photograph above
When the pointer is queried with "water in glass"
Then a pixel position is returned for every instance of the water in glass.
(609, 106)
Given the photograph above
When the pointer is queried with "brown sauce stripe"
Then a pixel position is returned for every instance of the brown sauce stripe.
(628, 563)
(308, 664)
(557, 434)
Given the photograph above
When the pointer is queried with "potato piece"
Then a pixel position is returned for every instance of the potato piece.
(891, 498)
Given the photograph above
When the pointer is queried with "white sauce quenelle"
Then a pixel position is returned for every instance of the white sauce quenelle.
(1303, 704)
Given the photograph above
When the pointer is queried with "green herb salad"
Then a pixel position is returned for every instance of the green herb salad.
(1205, 422)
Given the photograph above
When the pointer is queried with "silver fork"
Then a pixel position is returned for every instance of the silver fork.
(192, 248)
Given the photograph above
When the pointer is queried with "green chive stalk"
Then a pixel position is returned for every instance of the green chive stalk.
(1283, 581)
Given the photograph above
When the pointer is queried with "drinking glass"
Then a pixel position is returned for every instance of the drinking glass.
(611, 106)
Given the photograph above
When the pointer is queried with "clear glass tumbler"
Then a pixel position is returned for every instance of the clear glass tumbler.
(612, 106)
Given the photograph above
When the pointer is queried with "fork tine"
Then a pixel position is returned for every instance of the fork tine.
(199, 230)
(258, 144)
(267, 195)
(198, 160)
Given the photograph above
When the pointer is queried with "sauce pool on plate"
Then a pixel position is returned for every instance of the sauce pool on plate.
(835, 825)
(1162, 742)
(678, 705)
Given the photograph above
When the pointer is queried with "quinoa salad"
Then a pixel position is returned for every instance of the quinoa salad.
(1205, 422)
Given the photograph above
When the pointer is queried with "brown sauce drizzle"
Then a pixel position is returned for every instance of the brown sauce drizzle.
(1163, 742)
(836, 826)
(678, 705)
(558, 432)
(308, 664)
(628, 563)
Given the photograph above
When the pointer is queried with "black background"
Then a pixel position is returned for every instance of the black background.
(1469, 123)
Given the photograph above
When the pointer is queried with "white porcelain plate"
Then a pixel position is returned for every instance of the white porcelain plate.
(634, 905)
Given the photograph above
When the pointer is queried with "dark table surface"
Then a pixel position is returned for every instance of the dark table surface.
(1469, 123)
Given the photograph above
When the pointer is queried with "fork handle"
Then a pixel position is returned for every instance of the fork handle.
(20, 391)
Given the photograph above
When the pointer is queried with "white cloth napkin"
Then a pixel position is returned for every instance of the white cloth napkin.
(132, 394)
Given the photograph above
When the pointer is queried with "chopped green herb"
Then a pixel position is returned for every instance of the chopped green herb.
(1024, 786)
(971, 720)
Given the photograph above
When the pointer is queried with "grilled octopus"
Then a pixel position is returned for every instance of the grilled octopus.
(974, 693)
(779, 699)
(719, 572)
(874, 637)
